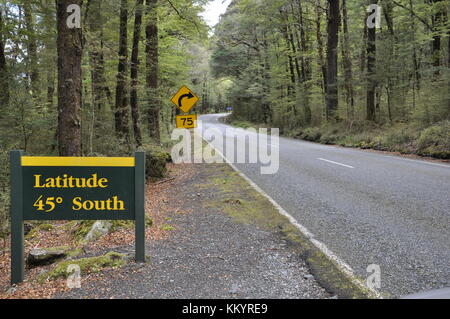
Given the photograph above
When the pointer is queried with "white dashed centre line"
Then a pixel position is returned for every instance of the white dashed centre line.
(322, 159)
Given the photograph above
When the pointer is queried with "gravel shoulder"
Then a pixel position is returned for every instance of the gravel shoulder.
(225, 241)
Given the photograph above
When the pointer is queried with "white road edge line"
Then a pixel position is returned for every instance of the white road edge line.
(322, 159)
(342, 265)
(418, 161)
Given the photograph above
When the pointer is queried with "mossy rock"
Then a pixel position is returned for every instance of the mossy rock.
(328, 139)
(81, 229)
(312, 134)
(88, 265)
(435, 141)
(44, 256)
(156, 159)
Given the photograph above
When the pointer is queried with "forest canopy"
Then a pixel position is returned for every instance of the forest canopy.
(101, 89)
(334, 72)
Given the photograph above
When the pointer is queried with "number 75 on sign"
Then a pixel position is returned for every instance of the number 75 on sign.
(186, 121)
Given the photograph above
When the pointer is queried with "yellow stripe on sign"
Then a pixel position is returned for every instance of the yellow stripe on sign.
(78, 161)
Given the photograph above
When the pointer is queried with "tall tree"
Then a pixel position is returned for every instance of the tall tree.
(347, 62)
(448, 61)
(49, 60)
(305, 61)
(121, 110)
(290, 54)
(332, 59)
(371, 80)
(134, 73)
(69, 47)
(390, 39)
(4, 79)
(437, 16)
(320, 46)
(32, 57)
(151, 49)
(100, 90)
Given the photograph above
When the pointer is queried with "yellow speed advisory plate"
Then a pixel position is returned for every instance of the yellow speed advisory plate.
(186, 121)
(185, 99)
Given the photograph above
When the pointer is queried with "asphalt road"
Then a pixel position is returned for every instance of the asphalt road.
(366, 207)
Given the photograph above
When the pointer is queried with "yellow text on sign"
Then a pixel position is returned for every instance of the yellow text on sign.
(186, 121)
(185, 99)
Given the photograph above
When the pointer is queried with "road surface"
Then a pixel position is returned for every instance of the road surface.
(366, 207)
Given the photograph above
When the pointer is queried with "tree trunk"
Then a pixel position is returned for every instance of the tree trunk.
(436, 22)
(151, 49)
(332, 32)
(320, 46)
(305, 62)
(363, 57)
(121, 111)
(32, 58)
(96, 57)
(4, 79)
(390, 59)
(371, 81)
(415, 59)
(347, 62)
(134, 73)
(50, 87)
(285, 31)
(448, 63)
(267, 112)
(69, 46)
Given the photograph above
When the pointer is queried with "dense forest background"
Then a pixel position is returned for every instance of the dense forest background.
(102, 89)
(313, 68)
(316, 70)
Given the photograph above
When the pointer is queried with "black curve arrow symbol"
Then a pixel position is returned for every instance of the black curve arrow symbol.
(188, 96)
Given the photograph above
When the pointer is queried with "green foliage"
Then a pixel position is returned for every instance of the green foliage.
(29, 121)
(266, 47)
(4, 193)
(87, 265)
(435, 141)
(156, 159)
(167, 227)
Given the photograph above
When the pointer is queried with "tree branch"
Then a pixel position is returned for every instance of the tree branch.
(414, 14)
(182, 17)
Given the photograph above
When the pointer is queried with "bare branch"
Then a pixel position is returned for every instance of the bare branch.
(182, 17)
(414, 14)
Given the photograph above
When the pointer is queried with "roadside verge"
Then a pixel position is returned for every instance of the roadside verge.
(329, 270)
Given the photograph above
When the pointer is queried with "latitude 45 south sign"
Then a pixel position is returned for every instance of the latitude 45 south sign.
(185, 99)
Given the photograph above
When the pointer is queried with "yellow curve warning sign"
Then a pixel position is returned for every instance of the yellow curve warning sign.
(185, 99)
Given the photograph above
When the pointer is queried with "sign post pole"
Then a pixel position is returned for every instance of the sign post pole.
(17, 233)
(139, 197)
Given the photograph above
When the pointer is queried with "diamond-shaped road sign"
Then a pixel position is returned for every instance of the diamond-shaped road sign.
(185, 99)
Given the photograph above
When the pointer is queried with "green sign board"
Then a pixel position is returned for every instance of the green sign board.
(75, 188)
